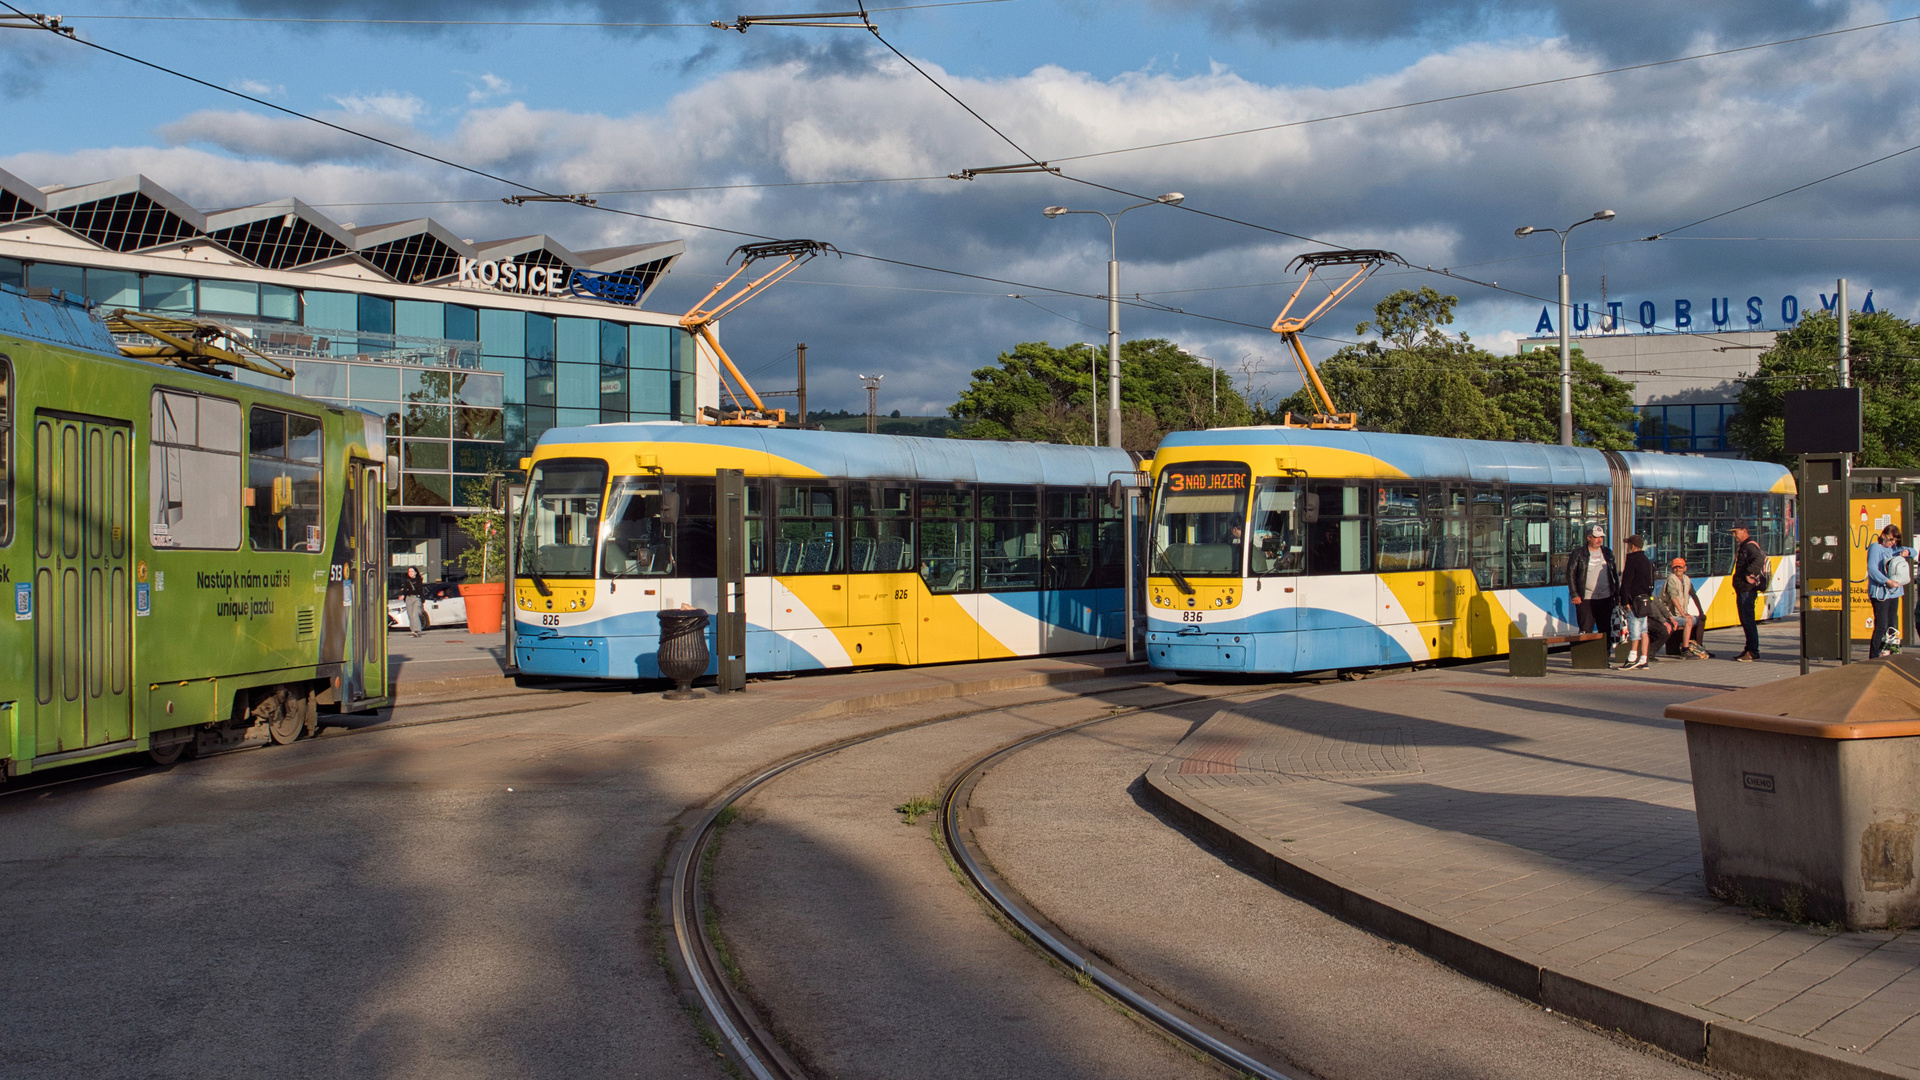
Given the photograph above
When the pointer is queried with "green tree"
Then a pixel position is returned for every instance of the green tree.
(485, 556)
(1419, 379)
(1885, 365)
(1045, 394)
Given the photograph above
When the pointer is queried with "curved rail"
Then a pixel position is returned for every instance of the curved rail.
(683, 896)
(1162, 1013)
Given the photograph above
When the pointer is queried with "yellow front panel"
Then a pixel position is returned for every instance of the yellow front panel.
(561, 596)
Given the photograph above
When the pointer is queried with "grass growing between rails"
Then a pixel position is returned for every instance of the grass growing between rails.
(916, 808)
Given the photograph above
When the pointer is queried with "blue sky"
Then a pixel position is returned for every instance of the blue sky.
(579, 108)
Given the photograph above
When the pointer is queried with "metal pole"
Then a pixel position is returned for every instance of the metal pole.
(803, 386)
(1566, 352)
(1846, 362)
(1093, 370)
(514, 494)
(1846, 560)
(1113, 351)
(1131, 571)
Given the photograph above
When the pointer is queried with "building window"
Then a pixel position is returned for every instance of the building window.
(193, 480)
(375, 315)
(67, 279)
(169, 294)
(283, 481)
(229, 297)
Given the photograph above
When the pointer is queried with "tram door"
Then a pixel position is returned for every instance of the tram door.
(366, 660)
(81, 608)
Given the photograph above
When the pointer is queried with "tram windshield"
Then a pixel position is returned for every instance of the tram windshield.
(1200, 520)
(562, 510)
(637, 539)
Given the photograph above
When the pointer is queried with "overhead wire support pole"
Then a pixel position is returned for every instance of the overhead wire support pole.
(1365, 261)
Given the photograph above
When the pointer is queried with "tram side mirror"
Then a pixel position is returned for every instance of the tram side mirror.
(393, 473)
(1117, 494)
(1313, 510)
(670, 505)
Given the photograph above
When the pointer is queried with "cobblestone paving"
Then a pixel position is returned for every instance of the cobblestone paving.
(1554, 815)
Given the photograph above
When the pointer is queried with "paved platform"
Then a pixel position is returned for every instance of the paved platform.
(1540, 834)
(446, 661)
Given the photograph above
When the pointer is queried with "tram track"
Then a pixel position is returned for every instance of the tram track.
(751, 1042)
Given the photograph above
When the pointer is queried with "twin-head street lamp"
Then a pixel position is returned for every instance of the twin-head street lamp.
(1566, 354)
(1171, 198)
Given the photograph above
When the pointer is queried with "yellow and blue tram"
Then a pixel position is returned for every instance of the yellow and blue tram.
(1296, 550)
(862, 549)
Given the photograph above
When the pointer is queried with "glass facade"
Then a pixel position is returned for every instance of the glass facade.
(534, 371)
(1685, 429)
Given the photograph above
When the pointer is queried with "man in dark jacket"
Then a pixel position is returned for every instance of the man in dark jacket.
(1749, 578)
(1594, 580)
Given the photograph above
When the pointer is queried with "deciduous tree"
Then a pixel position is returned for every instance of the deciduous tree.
(1045, 394)
(1885, 360)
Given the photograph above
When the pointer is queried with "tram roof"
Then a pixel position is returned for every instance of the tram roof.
(857, 454)
(55, 322)
(1496, 462)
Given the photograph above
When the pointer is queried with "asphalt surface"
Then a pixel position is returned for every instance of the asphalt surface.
(870, 959)
(1065, 824)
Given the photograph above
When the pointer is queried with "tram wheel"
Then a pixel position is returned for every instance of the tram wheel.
(284, 721)
(169, 753)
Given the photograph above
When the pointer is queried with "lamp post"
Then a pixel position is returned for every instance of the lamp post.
(1566, 352)
(1171, 198)
(1093, 372)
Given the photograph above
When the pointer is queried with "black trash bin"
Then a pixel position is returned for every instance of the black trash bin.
(683, 650)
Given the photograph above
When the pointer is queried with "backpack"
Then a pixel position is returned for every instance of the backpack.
(1765, 575)
(1899, 571)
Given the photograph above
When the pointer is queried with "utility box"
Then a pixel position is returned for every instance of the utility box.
(1807, 793)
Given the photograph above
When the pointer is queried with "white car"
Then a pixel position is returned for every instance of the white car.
(440, 605)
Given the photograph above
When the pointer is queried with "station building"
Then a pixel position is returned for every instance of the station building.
(1686, 385)
(470, 348)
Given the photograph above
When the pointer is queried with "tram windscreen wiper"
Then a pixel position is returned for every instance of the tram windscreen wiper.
(1154, 560)
(539, 585)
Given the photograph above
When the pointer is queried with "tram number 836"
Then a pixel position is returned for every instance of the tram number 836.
(1193, 616)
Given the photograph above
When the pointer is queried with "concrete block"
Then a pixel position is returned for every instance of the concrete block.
(1825, 829)
(1675, 1028)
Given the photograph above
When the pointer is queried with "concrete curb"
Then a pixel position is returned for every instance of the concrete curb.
(1676, 1027)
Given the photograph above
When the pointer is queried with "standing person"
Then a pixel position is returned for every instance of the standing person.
(1594, 582)
(1884, 593)
(1636, 591)
(410, 595)
(1749, 581)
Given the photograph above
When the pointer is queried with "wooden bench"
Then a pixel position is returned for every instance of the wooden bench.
(1527, 656)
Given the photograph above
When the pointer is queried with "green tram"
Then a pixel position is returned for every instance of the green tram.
(194, 563)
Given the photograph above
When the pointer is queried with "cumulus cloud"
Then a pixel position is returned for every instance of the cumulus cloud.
(1445, 185)
(486, 86)
(391, 105)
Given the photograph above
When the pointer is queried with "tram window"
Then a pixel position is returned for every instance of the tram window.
(1200, 520)
(1072, 539)
(637, 539)
(283, 481)
(1487, 536)
(1279, 544)
(193, 472)
(1338, 542)
(696, 535)
(1530, 546)
(6, 451)
(561, 518)
(1009, 538)
(807, 534)
(1399, 529)
(1447, 526)
(946, 537)
(879, 528)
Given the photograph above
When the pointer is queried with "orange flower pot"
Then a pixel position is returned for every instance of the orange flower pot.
(486, 605)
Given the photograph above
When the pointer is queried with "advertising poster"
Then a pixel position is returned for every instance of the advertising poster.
(1869, 516)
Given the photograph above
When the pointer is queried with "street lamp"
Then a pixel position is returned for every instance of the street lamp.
(1566, 306)
(1171, 198)
(1093, 370)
